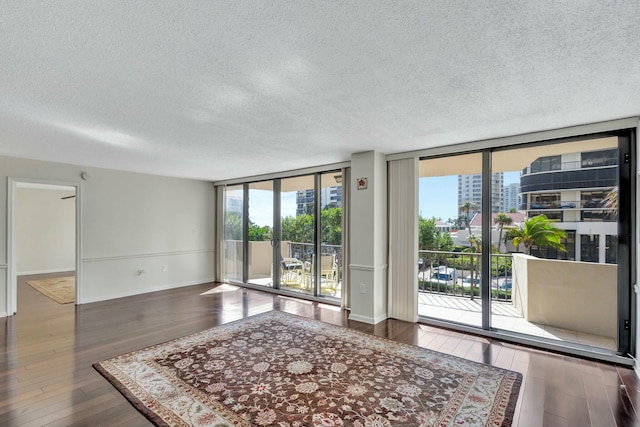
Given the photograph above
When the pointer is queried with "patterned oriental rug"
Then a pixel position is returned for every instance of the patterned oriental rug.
(60, 289)
(276, 369)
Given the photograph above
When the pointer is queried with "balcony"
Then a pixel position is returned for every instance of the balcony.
(564, 204)
(605, 177)
(606, 161)
(558, 300)
(297, 266)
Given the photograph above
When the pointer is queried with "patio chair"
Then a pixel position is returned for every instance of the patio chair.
(291, 272)
(328, 271)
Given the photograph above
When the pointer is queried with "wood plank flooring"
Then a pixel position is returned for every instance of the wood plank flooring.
(46, 352)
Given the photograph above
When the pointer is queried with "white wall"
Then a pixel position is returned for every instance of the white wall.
(130, 221)
(45, 231)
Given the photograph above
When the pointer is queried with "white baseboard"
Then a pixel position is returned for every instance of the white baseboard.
(146, 291)
(367, 319)
(52, 270)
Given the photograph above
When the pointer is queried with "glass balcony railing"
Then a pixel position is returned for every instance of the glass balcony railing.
(567, 166)
(557, 205)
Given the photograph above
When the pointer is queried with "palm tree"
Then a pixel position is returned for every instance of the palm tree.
(501, 220)
(540, 231)
(466, 208)
(475, 242)
(611, 202)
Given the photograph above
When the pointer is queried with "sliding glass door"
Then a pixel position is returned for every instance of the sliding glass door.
(260, 233)
(286, 234)
(297, 242)
(557, 242)
(542, 231)
(331, 234)
(450, 239)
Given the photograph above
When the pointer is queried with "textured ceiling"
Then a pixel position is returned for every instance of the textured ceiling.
(223, 89)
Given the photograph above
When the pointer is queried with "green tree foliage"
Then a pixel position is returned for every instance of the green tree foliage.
(332, 226)
(430, 238)
(459, 223)
(300, 228)
(257, 233)
(233, 229)
(294, 228)
(232, 226)
(466, 209)
(540, 231)
(502, 220)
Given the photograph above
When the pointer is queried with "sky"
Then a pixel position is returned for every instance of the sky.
(261, 205)
(438, 196)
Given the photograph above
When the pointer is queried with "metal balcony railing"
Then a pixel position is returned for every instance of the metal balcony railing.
(458, 274)
(304, 252)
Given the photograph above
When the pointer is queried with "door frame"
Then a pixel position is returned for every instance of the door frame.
(11, 280)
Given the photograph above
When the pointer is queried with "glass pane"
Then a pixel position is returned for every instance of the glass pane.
(233, 258)
(538, 287)
(450, 239)
(297, 247)
(331, 234)
(261, 233)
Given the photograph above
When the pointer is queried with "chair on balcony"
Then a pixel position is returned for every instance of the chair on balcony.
(328, 271)
(291, 272)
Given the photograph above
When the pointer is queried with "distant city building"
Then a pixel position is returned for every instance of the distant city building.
(233, 204)
(470, 189)
(511, 197)
(329, 196)
(443, 227)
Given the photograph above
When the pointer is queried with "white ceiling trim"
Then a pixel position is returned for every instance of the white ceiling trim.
(568, 132)
(287, 174)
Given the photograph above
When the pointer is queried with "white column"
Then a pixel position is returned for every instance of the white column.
(368, 237)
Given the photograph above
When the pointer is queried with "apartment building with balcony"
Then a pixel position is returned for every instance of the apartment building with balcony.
(570, 189)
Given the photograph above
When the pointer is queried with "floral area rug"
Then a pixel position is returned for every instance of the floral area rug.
(276, 369)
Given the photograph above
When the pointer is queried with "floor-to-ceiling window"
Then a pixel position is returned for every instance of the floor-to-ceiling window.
(286, 234)
(331, 234)
(551, 237)
(556, 273)
(233, 233)
(450, 239)
(260, 233)
(298, 219)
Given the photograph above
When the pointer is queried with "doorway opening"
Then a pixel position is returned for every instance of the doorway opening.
(43, 240)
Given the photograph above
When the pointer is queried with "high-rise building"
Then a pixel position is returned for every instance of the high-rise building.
(329, 196)
(470, 189)
(511, 197)
(571, 189)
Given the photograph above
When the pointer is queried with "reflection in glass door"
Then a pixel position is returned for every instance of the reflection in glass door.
(297, 242)
(553, 277)
(450, 239)
(233, 233)
(260, 233)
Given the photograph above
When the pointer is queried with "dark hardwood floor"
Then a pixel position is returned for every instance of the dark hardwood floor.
(46, 352)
